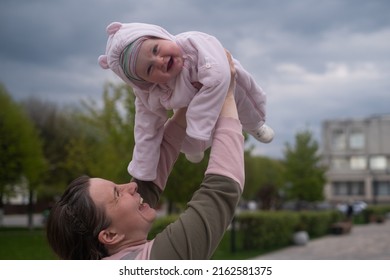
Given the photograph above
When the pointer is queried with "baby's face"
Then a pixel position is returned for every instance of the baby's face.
(159, 61)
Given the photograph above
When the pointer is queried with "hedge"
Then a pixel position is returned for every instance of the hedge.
(269, 230)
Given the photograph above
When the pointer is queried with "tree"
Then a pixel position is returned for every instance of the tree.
(263, 180)
(304, 174)
(56, 127)
(184, 180)
(104, 143)
(20, 149)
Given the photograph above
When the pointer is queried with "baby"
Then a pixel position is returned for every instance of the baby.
(169, 72)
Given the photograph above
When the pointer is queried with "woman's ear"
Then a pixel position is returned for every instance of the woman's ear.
(110, 237)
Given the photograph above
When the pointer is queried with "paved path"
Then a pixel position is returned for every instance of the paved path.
(21, 220)
(365, 242)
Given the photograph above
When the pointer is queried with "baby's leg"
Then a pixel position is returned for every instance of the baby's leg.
(194, 148)
(251, 102)
(250, 99)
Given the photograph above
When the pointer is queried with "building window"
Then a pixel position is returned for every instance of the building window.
(356, 140)
(340, 164)
(356, 188)
(378, 163)
(358, 163)
(383, 188)
(340, 188)
(338, 140)
(348, 188)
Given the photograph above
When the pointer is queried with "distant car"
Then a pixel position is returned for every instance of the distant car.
(358, 206)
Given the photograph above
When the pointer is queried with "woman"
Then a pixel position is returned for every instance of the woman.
(97, 219)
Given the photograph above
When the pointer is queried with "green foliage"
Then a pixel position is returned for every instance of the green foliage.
(226, 252)
(263, 180)
(266, 230)
(160, 224)
(318, 223)
(20, 147)
(103, 145)
(96, 139)
(375, 213)
(56, 128)
(305, 176)
(184, 180)
(259, 172)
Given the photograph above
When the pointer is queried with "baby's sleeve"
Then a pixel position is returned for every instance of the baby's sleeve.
(148, 134)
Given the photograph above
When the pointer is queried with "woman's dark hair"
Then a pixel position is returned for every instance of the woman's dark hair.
(74, 223)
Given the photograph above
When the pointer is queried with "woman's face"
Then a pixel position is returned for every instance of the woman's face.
(124, 206)
(159, 61)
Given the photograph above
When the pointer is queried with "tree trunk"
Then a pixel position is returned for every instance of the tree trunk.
(1, 209)
(30, 209)
(170, 207)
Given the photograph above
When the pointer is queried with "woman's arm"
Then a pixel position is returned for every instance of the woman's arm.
(198, 231)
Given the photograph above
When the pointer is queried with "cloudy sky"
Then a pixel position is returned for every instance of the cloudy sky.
(317, 60)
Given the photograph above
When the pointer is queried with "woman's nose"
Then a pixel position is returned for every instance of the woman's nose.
(131, 188)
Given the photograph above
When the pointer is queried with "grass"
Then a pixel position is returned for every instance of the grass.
(225, 250)
(24, 244)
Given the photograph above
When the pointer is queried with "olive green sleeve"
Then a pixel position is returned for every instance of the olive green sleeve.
(198, 231)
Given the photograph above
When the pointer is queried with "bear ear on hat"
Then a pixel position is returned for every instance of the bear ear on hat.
(103, 61)
(113, 27)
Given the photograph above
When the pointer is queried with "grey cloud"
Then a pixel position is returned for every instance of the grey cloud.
(49, 49)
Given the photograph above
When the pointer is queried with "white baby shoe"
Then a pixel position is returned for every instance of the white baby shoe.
(264, 134)
(195, 158)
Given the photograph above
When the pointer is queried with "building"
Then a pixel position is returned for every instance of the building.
(357, 153)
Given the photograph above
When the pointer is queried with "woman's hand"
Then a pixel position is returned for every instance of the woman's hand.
(232, 85)
(229, 108)
(180, 117)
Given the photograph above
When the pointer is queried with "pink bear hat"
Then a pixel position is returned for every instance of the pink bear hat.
(120, 36)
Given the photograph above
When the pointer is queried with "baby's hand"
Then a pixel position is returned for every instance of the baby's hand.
(180, 117)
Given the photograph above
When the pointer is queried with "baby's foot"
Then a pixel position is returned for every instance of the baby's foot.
(195, 158)
(264, 134)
